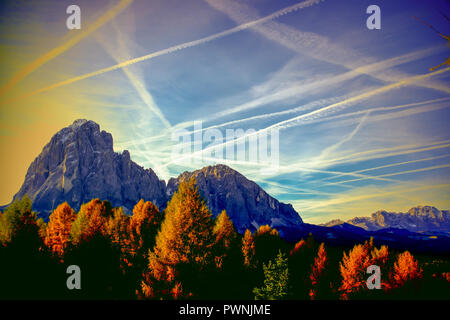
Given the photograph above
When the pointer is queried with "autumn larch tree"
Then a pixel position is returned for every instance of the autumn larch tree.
(90, 221)
(94, 252)
(318, 268)
(144, 225)
(183, 246)
(58, 229)
(406, 268)
(301, 259)
(118, 229)
(248, 249)
(353, 268)
(298, 247)
(267, 243)
(224, 238)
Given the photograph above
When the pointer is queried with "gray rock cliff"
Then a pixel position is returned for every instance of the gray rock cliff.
(417, 219)
(246, 203)
(79, 164)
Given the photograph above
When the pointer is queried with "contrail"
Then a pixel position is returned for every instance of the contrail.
(308, 43)
(304, 169)
(294, 121)
(373, 195)
(302, 190)
(287, 123)
(172, 49)
(416, 148)
(351, 158)
(110, 14)
(346, 139)
(134, 79)
(389, 166)
(309, 86)
(393, 174)
(305, 107)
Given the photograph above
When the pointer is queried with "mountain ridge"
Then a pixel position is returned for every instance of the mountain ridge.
(255, 207)
(417, 219)
(79, 164)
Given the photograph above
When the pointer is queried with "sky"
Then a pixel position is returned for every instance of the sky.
(362, 122)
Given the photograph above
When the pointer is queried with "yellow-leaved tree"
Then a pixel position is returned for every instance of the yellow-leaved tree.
(225, 237)
(183, 246)
(144, 225)
(248, 249)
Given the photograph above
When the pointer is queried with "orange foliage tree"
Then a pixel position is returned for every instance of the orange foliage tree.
(144, 225)
(318, 269)
(380, 256)
(118, 227)
(58, 229)
(118, 230)
(267, 243)
(225, 236)
(248, 249)
(406, 268)
(184, 241)
(90, 221)
(354, 265)
(353, 268)
(266, 230)
(297, 247)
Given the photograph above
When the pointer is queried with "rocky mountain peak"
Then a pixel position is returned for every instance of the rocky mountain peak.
(424, 211)
(79, 164)
(247, 204)
(416, 219)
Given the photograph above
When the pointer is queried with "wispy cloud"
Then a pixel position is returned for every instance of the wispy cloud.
(119, 53)
(365, 200)
(350, 198)
(313, 44)
(394, 174)
(107, 16)
(391, 165)
(320, 112)
(172, 49)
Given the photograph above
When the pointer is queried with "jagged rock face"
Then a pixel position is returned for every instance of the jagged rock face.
(417, 219)
(247, 204)
(79, 164)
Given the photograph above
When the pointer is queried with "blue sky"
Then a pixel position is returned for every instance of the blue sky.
(363, 122)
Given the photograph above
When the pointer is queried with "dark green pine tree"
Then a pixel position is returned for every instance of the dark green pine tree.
(276, 282)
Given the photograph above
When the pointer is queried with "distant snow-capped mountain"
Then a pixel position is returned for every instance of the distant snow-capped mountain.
(417, 219)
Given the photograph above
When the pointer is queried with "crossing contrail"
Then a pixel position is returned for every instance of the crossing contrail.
(110, 14)
(172, 49)
(295, 120)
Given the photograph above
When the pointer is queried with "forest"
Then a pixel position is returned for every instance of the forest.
(183, 252)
